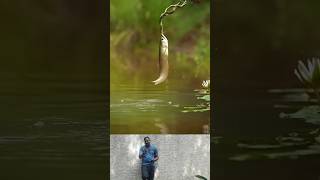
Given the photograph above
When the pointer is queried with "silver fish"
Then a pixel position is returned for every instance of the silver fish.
(163, 60)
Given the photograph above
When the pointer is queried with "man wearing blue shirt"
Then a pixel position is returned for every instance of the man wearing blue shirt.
(148, 154)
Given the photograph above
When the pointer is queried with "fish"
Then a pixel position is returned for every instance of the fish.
(163, 60)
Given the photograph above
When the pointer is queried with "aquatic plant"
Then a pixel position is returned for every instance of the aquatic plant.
(311, 114)
(201, 94)
(310, 75)
(204, 93)
(206, 83)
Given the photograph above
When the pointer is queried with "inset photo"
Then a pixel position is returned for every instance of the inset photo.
(160, 157)
(159, 67)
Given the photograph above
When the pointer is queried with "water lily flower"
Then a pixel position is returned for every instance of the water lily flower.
(206, 83)
(310, 74)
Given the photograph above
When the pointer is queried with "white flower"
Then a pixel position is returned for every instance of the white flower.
(309, 75)
(206, 83)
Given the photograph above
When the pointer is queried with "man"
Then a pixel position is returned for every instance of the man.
(148, 154)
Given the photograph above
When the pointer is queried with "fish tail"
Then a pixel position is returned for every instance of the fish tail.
(161, 79)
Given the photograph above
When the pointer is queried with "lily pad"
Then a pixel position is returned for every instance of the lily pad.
(310, 150)
(205, 97)
(311, 114)
(201, 94)
(293, 146)
(195, 109)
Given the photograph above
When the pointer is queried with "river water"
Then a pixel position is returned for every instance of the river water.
(53, 126)
(257, 131)
(53, 91)
(155, 109)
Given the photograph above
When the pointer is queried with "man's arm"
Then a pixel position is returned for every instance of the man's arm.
(141, 153)
(156, 157)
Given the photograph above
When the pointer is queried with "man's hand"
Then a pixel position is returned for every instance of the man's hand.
(155, 159)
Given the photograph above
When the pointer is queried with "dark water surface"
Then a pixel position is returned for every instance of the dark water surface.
(53, 91)
(53, 125)
(256, 47)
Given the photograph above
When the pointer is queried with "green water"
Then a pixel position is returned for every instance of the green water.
(158, 109)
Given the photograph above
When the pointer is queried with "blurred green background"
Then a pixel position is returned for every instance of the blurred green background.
(135, 35)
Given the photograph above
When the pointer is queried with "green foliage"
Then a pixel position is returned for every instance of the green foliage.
(135, 14)
(142, 17)
(202, 58)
